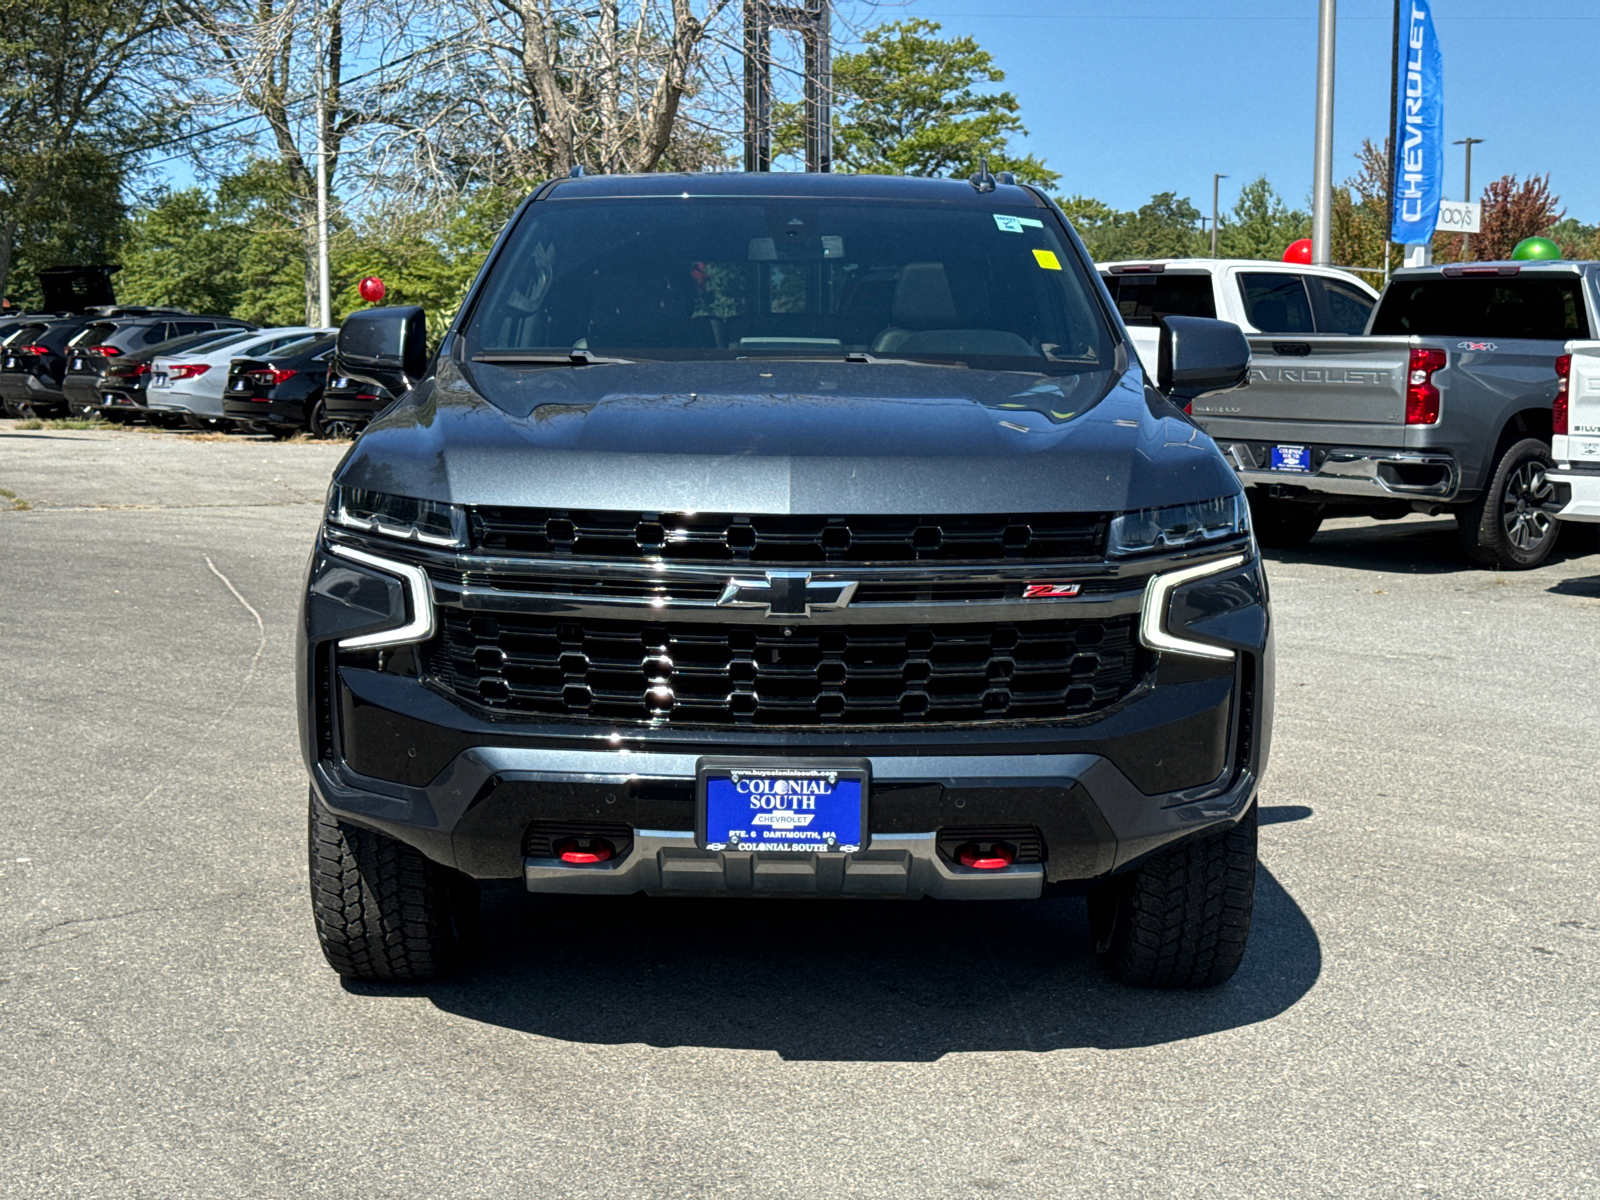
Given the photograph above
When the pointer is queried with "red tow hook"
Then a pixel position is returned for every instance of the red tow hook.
(582, 850)
(986, 856)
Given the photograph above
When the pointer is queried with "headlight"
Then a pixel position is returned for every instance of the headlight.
(1178, 527)
(402, 517)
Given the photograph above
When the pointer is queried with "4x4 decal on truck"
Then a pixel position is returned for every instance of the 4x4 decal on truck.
(1489, 346)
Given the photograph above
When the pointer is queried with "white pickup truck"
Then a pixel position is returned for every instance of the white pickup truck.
(1259, 297)
(1575, 445)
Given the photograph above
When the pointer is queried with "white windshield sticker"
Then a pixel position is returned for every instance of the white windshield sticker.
(1015, 224)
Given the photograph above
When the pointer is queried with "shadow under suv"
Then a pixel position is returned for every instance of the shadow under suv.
(786, 536)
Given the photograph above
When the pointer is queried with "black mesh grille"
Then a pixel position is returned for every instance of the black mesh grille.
(711, 674)
(718, 537)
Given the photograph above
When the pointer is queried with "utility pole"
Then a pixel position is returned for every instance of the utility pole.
(1469, 143)
(1215, 179)
(1322, 173)
(1392, 144)
(324, 288)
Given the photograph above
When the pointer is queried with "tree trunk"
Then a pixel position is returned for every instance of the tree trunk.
(8, 238)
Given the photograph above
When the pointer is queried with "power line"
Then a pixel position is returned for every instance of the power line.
(183, 138)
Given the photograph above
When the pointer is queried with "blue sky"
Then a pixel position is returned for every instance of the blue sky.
(1126, 98)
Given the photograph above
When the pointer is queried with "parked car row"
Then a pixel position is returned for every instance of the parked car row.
(171, 368)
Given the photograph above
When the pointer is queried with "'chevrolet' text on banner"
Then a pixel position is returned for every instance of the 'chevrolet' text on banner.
(1419, 129)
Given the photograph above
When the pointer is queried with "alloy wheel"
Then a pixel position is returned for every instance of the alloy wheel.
(1526, 506)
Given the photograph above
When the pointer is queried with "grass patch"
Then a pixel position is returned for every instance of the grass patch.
(20, 506)
(7, 494)
(31, 423)
(77, 423)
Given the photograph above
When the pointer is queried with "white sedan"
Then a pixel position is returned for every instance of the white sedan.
(192, 384)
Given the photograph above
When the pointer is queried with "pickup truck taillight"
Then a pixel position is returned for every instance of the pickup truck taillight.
(1422, 398)
(1558, 410)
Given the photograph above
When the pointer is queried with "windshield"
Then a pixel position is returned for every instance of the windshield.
(783, 278)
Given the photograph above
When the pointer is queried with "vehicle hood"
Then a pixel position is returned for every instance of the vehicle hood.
(787, 437)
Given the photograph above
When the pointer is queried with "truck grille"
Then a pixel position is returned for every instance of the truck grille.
(683, 673)
(714, 537)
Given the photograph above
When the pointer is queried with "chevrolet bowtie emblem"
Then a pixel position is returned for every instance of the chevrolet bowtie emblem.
(787, 593)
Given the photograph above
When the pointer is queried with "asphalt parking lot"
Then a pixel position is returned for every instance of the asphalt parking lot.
(1417, 1014)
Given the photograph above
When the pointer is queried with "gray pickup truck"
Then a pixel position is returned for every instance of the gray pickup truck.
(1443, 405)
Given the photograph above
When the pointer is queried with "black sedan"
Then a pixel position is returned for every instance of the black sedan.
(348, 405)
(281, 394)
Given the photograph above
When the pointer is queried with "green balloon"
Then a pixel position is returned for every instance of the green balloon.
(1535, 248)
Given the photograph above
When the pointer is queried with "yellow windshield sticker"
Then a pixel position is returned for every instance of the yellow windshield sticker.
(1047, 260)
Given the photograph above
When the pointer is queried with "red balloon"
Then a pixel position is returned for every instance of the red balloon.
(372, 289)
(1298, 252)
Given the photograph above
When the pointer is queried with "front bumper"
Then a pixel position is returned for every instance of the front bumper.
(1181, 753)
(1351, 471)
(1584, 485)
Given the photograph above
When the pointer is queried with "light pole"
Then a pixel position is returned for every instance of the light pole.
(1469, 143)
(1322, 173)
(324, 289)
(1215, 179)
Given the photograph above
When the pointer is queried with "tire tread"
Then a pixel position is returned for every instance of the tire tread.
(383, 910)
(1182, 919)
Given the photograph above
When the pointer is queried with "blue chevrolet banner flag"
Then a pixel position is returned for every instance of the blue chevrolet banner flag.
(1419, 129)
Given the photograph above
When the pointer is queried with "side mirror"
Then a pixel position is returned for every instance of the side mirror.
(384, 346)
(1199, 356)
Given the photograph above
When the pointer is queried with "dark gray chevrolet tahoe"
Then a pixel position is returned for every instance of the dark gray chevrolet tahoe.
(782, 535)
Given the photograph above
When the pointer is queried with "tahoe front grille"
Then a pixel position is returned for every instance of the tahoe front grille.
(719, 537)
(684, 673)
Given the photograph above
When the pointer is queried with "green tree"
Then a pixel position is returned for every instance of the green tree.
(1096, 222)
(67, 77)
(75, 219)
(1167, 227)
(1261, 224)
(913, 103)
(179, 251)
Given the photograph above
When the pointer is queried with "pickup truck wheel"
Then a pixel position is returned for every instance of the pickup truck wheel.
(384, 911)
(1182, 918)
(1512, 526)
(1283, 524)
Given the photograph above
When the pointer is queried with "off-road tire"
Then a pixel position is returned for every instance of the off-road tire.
(1495, 531)
(384, 911)
(1283, 524)
(1181, 919)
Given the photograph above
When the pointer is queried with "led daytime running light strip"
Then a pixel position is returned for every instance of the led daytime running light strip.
(1158, 595)
(421, 626)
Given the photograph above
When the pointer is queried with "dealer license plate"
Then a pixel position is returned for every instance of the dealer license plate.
(10, 362)
(1291, 458)
(771, 804)
(77, 364)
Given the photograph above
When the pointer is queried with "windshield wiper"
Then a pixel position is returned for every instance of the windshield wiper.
(572, 358)
(861, 356)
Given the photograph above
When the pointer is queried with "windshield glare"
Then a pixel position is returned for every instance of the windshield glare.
(779, 278)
